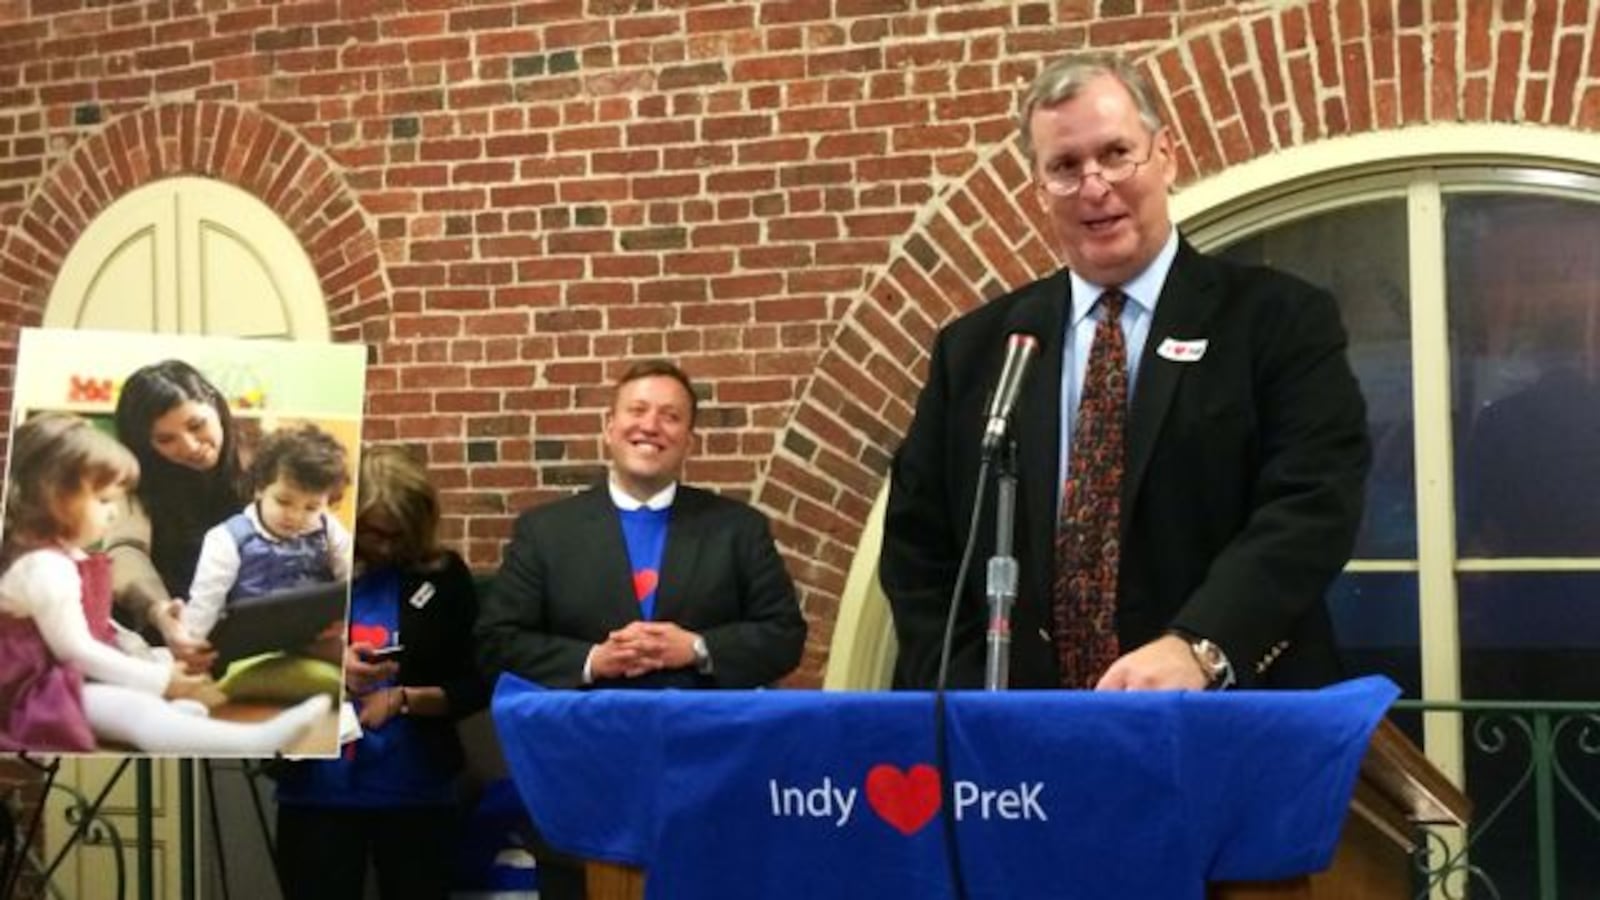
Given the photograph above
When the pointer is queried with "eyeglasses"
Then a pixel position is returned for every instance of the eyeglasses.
(1113, 167)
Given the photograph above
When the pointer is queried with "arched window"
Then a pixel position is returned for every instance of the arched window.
(1472, 297)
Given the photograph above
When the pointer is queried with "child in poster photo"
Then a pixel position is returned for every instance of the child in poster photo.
(64, 684)
(285, 538)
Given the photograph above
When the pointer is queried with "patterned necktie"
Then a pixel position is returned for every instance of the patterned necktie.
(1087, 542)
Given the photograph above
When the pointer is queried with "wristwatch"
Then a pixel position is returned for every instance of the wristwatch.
(1219, 672)
(1212, 661)
(702, 655)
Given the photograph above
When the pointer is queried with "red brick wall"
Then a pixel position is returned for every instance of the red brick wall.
(508, 201)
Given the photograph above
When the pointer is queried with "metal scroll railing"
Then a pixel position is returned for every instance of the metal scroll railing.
(1533, 774)
(25, 868)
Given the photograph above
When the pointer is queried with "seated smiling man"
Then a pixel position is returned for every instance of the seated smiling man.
(641, 581)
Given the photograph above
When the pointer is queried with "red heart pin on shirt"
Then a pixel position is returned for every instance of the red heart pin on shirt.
(372, 635)
(644, 583)
(905, 800)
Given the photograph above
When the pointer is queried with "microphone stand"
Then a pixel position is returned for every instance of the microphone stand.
(1001, 577)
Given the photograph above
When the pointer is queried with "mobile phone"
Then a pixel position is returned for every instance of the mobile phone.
(385, 652)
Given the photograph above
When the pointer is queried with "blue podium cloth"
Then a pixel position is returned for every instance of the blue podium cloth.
(809, 794)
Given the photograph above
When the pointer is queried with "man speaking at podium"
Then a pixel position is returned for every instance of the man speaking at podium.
(1191, 444)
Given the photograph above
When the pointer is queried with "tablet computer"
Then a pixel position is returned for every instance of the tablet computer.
(285, 620)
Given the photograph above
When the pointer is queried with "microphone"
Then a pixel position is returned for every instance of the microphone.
(1021, 348)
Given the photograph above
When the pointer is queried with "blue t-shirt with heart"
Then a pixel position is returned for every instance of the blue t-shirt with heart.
(644, 531)
(807, 794)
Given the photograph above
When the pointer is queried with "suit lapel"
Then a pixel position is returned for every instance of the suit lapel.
(601, 528)
(680, 554)
(1188, 300)
(1043, 312)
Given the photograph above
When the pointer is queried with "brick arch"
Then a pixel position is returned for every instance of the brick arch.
(831, 460)
(1282, 78)
(227, 142)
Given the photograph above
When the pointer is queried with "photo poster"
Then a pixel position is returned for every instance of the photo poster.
(270, 690)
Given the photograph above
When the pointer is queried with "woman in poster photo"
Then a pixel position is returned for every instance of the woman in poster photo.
(179, 428)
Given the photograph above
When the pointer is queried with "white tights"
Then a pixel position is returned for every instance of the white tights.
(147, 722)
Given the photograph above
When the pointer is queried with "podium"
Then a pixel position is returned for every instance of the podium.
(792, 793)
(1398, 790)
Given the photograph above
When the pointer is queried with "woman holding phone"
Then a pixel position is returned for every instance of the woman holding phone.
(391, 796)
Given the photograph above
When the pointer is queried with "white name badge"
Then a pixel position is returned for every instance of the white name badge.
(423, 595)
(1182, 351)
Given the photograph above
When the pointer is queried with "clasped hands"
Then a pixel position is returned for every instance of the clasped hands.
(641, 648)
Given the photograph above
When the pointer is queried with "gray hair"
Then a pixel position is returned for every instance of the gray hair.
(1063, 79)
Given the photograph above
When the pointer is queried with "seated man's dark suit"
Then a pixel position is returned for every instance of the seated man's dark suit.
(566, 583)
(1240, 500)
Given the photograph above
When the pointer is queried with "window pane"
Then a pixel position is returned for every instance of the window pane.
(1530, 635)
(1524, 302)
(1375, 622)
(1360, 254)
(1376, 626)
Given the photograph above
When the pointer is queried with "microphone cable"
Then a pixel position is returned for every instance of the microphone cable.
(941, 737)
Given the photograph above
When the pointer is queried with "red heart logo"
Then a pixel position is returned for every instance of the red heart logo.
(372, 635)
(644, 581)
(905, 800)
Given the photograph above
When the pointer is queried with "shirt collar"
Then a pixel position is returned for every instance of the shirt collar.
(1142, 290)
(624, 501)
(252, 512)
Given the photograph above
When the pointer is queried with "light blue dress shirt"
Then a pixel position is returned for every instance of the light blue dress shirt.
(1142, 291)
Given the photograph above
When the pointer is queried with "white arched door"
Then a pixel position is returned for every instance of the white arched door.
(192, 256)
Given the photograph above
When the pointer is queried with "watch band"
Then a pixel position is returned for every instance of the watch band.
(702, 655)
(1213, 662)
(1210, 658)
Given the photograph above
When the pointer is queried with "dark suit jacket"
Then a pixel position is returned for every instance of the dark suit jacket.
(1241, 496)
(566, 583)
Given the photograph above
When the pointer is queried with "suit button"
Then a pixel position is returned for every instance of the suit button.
(1044, 636)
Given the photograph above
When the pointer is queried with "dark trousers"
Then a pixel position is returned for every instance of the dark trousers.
(323, 852)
